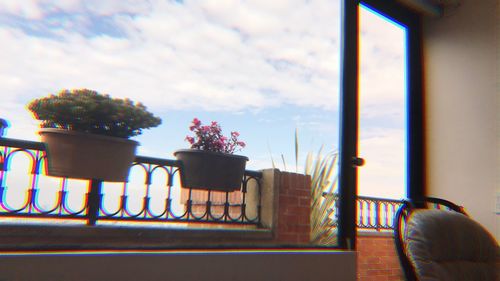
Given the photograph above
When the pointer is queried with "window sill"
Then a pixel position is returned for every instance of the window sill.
(75, 237)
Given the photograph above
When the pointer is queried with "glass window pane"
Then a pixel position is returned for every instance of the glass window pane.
(382, 108)
(266, 69)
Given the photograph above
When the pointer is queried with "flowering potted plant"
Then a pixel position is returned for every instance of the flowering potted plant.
(210, 163)
(86, 133)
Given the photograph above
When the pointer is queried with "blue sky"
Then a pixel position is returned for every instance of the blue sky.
(263, 68)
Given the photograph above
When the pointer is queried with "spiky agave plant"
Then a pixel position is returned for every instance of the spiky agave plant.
(324, 179)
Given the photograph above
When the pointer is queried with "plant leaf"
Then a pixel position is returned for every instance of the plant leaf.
(296, 150)
(283, 159)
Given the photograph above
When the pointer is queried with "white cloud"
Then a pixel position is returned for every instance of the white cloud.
(112, 7)
(38, 9)
(209, 55)
(25, 9)
(383, 174)
(382, 66)
(192, 55)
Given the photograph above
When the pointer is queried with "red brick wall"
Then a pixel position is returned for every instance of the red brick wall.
(377, 258)
(294, 203)
(294, 209)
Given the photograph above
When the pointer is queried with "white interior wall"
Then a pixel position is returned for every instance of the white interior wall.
(462, 108)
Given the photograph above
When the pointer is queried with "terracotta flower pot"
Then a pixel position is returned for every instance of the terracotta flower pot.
(87, 156)
(211, 170)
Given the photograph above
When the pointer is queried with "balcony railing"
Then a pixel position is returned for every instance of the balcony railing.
(153, 193)
(376, 213)
(373, 214)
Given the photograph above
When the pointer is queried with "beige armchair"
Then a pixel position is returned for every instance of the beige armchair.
(444, 244)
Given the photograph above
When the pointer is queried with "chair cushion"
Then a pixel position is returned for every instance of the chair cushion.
(446, 245)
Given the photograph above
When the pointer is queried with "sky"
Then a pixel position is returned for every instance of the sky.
(262, 68)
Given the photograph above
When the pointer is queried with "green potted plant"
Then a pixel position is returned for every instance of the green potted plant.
(86, 133)
(210, 163)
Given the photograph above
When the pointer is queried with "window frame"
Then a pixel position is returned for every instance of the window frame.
(415, 149)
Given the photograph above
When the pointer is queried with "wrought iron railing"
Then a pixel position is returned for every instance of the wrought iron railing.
(376, 213)
(373, 214)
(153, 193)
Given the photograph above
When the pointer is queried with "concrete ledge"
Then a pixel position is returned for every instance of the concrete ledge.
(383, 233)
(64, 237)
(181, 265)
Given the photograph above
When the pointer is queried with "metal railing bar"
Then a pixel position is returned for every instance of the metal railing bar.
(93, 209)
(24, 144)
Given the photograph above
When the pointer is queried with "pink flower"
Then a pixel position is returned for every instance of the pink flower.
(196, 123)
(190, 139)
(210, 138)
(204, 129)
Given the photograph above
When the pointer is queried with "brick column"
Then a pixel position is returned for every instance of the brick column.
(293, 208)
